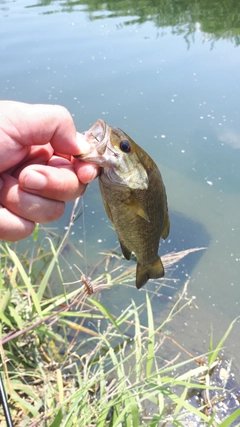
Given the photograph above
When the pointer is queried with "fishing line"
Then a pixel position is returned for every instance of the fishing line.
(84, 237)
(75, 215)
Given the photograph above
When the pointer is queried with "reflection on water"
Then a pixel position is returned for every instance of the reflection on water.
(216, 19)
(168, 74)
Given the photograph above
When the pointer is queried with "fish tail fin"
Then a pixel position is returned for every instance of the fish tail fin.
(153, 271)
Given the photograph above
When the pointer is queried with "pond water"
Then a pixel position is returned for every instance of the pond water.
(167, 74)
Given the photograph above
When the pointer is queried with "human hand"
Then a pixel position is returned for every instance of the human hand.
(37, 171)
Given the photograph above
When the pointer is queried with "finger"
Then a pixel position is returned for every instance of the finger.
(24, 125)
(86, 172)
(37, 155)
(37, 124)
(84, 146)
(57, 182)
(12, 227)
(28, 206)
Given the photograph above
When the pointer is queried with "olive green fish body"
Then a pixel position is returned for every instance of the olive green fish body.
(137, 234)
(134, 197)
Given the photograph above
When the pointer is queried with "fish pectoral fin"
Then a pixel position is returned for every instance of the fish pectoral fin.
(153, 271)
(125, 251)
(137, 208)
(166, 229)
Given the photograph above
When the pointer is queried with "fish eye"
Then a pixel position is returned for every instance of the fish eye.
(125, 146)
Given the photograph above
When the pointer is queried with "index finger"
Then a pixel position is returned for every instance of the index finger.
(38, 124)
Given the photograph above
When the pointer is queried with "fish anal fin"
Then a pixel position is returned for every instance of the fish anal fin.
(125, 251)
(137, 208)
(153, 271)
(166, 229)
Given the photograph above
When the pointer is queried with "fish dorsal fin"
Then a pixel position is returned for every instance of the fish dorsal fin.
(137, 208)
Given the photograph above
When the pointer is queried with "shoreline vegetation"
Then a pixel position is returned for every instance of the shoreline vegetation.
(67, 359)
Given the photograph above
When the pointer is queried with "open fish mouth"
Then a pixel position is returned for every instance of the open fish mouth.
(99, 147)
(98, 138)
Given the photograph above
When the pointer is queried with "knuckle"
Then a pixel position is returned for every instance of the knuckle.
(63, 113)
(55, 211)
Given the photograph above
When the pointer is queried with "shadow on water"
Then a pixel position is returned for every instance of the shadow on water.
(185, 234)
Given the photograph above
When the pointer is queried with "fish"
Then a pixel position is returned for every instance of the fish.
(133, 194)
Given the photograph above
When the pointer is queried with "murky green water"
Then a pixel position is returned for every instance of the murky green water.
(168, 74)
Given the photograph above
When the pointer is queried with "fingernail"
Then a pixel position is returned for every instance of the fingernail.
(34, 180)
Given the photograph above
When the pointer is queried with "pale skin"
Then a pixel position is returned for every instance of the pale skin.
(38, 172)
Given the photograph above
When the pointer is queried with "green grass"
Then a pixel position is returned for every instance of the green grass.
(59, 371)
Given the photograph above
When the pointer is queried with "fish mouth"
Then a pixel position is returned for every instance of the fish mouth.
(98, 137)
(97, 134)
(102, 160)
(96, 140)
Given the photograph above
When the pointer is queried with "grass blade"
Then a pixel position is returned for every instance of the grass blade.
(26, 280)
(229, 420)
(106, 313)
(214, 354)
(46, 277)
(151, 338)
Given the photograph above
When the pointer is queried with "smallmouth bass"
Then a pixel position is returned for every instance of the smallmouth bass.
(133, 194)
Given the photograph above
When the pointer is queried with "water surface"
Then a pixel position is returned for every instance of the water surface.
(169, 76)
